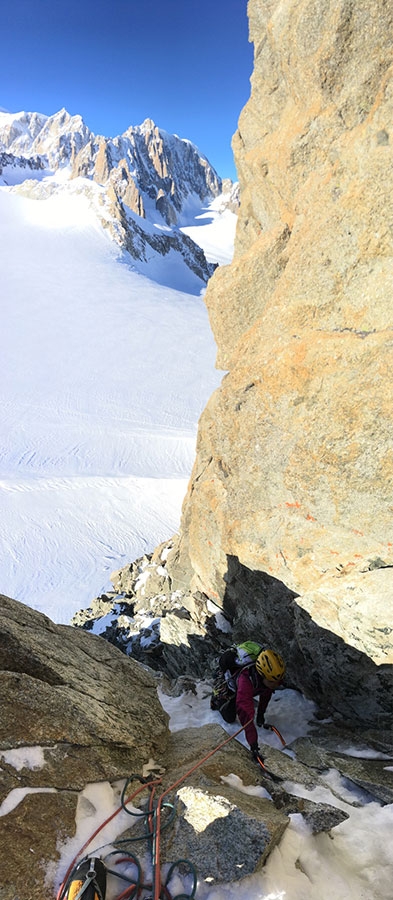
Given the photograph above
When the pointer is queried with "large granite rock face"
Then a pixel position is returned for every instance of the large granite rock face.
(287, 520)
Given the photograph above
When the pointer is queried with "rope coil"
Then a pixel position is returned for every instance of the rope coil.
(154, 828)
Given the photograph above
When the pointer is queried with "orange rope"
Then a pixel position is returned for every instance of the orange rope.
(157, 835)
(262, 765)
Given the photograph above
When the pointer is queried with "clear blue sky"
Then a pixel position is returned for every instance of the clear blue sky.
(184, 63)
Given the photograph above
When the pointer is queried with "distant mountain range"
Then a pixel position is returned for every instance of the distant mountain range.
(144, 184)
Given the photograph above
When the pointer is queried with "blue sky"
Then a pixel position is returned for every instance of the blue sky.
(184, 63)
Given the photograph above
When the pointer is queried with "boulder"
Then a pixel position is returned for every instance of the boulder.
(64, 688)
(221, 804)
(74, 710)
(212, 814)
(211, 820)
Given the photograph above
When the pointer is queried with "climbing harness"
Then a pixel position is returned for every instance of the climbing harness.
(221, 692)
(84, 879)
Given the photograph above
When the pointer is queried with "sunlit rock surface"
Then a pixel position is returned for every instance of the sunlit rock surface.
(287, 521)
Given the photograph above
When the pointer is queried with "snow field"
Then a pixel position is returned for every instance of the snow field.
(103, 376)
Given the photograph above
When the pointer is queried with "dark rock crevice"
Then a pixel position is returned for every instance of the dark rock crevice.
(343, 681)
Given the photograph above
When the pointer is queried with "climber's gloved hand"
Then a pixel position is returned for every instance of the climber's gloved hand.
(255, 752)
(267, 725)
(260, 719)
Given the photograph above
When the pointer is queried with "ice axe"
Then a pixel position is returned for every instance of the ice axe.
(276, 731)
(276, 778)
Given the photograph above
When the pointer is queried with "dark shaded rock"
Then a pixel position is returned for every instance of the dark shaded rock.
(182, 637)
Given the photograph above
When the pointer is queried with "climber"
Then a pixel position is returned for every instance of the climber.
(247, 671)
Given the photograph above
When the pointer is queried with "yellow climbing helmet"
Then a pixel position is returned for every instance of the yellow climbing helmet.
(271, 666)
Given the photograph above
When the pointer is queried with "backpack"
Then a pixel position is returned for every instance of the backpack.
(230, 663)
(247, 653)
(239, 656)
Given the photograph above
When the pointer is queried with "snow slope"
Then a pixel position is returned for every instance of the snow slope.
(103, 376)
(213, 229)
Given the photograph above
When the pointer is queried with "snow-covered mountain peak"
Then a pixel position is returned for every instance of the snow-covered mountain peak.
(154, 183)
(150, 170)
(147, 126)
(58, 137)
(19, 130)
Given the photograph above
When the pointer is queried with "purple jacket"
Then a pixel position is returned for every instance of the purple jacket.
(250, 685)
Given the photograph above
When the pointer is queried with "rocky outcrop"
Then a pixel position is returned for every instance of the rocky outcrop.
(213, 815)
(95, 711)
(10, 165)
(287, 520)
(140, 241)
(173, 633)
(73, 710)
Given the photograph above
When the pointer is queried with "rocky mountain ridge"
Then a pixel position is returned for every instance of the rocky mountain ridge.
(150, 182)
(143, 161)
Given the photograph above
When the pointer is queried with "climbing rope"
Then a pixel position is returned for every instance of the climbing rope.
(152, 833)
